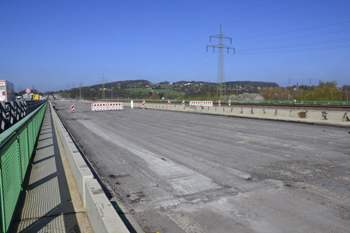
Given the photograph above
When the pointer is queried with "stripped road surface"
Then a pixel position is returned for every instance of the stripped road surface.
(182, 172)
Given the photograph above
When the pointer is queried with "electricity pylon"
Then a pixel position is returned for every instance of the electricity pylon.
(81, 84)
(112, 89)
(103, 80)
(221, 61)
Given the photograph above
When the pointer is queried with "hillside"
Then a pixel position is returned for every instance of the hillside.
(253, 84)
(141, 89)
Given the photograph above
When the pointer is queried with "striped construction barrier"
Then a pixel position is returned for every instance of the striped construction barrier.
(201, 103)
(114, 106)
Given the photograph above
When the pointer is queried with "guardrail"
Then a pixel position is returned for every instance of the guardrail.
(16, 148)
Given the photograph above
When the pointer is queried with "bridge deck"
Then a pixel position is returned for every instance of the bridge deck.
(51, 202)
(178, 172)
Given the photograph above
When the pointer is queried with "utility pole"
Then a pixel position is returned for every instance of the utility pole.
(81, 84)
(67, 91)
(103, 80)
(289, 81)
(221, 62)
(209, 85)
(112, 89)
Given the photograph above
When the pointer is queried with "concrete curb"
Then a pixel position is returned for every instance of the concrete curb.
(334, 118)
(102, 216)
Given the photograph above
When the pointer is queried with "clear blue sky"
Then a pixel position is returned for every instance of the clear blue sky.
(53, 43)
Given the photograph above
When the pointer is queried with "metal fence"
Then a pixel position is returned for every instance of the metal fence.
(11, 113)
(32, 105)
(16, 148)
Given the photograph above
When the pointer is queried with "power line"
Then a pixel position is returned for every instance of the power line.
(297, 30)
(249, 18)
(183, 66)
(275, 49)
(272, 40)
(204, 34)
(182, 48)
(200, 66)
(283, 48)
(103, 80)
(221, 60)
(297, 50)
(297, 37)
(299, 45)
(176, 60)
(274, 12)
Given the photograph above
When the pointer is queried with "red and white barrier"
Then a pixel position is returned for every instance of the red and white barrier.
(219, 103)
(72, 106)
(168, 102)
(229, 103)
(143, 104)
(207, 103)
(95, 107)
(183, 102)
(201, 103)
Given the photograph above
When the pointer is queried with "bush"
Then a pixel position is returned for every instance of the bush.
(246, 96)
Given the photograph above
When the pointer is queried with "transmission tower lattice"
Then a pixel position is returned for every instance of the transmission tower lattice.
(103, 80)
(81, 84)
(221, 61)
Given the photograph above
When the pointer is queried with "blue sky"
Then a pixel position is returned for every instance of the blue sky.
(52, 44)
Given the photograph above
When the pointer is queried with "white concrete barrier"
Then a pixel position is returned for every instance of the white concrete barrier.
(102, 215)
(311, 116)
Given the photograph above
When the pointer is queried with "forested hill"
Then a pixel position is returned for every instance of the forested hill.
(253, 84)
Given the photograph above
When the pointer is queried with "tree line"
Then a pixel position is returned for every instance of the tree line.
(325, 91)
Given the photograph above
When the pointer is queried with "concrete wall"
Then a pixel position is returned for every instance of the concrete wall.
(102, 216)
(311, 116)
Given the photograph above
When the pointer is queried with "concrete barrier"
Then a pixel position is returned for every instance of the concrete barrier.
(101, 214)
(337, 118)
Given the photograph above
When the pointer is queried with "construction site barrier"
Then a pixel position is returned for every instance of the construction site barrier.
(201, 103)
(95, 107)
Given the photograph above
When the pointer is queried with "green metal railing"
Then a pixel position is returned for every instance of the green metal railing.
(16, 148)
